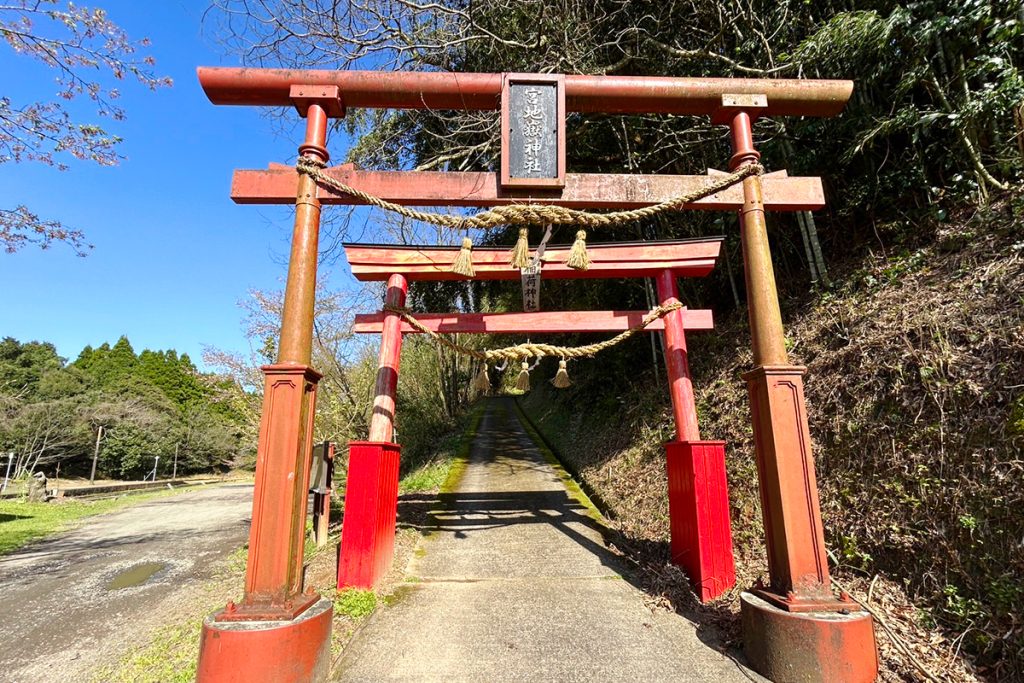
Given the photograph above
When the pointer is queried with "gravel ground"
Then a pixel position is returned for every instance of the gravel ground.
(62, 615)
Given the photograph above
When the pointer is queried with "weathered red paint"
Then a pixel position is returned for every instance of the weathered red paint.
(795, 629)
(294, 651)
(698, 505)
(273, 576)
(797, 562)
(819, 647)
(687, 258)
(818, 641)
(368, 525)
(467, 188)
(680, 385)
(469, 91)
(382, 420)
(296, 646)
(540, 322)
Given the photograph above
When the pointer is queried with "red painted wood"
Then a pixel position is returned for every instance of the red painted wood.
(468, 91)
(368, 525)
(382, 420)
(582, 190)
(680, 386)
(550, 322)
(698, 499)
(689, 258)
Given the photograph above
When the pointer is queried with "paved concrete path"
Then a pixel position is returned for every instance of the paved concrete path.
(61, 615)
(516, 585)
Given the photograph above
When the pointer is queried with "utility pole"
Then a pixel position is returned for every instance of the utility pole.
(96, 453)
(156, 462)
(174, 472)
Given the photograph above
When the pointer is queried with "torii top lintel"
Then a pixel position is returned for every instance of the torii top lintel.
(466, 91)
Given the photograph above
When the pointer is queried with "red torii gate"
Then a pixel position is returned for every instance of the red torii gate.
(698, 496)
(793, 627)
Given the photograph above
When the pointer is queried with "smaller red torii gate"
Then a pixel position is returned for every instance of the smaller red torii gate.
(698, 494)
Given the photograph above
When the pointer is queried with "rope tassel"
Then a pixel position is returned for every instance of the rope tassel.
(561, 380)
(578, 257)
(523, 380)
(482, 382)
(463, 264)
(520, 257)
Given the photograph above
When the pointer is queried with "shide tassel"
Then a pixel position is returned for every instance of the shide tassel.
(463, 264)
(520, 257)
(578, 258)
(523, 380)
(482, 382)
(561, 380)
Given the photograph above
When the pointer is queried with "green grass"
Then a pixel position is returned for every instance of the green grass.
(444, 469)
(355, 603)
(428, 477)
(22, 522)
(170, 657)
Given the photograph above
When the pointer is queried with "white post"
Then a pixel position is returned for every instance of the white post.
(7, 476)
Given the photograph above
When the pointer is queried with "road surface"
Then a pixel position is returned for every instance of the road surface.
(515, 584)
(74, 601)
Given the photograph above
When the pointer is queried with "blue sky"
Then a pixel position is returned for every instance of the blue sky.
(173, 255)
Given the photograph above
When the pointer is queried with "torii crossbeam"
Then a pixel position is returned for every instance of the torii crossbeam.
(795, 627)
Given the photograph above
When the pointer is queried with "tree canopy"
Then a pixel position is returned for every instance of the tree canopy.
(137, 405)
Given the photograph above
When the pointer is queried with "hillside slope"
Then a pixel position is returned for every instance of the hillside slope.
(915, 391)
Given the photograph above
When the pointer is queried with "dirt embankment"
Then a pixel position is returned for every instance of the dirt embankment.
(915, 391)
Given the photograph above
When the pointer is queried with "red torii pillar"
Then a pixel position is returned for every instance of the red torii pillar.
(698, 494)
(281, 630)
(796, 629)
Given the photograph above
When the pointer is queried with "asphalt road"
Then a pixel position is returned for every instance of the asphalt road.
(64, 606)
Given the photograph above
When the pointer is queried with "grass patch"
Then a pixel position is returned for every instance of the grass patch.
(460, 459)
(171, 657)
(22, 522)
(355, 604)
(428, 477)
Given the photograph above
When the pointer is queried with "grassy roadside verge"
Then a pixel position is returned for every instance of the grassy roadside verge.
(169, 653)
(22, 522)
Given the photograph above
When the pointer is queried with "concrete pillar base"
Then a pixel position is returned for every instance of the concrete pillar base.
(830, 647)
(296, 651)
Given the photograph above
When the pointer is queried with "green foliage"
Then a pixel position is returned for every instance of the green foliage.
(355, 603)
(140, 406)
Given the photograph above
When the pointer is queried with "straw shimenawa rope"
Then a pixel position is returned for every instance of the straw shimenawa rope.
(530, 350)
(527, 214)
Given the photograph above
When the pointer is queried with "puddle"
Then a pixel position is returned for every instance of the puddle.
(135, 576)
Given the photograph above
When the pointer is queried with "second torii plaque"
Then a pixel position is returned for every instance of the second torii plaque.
(533, 131)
